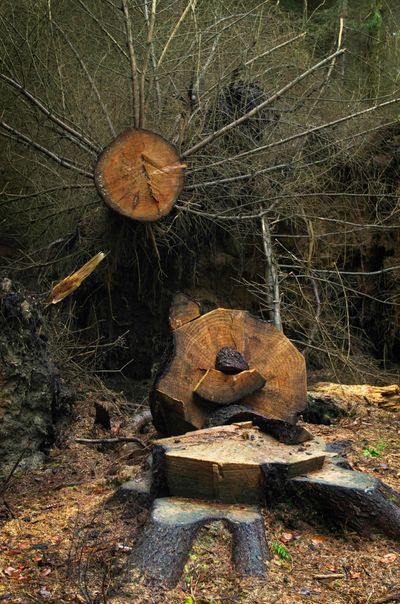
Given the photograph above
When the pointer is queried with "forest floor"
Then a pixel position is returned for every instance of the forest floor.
(65, 541)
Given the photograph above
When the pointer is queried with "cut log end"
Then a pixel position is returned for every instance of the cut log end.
(139, 175)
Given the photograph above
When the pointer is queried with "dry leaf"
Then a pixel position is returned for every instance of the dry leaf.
(286, 537)
(68, 285)
(389, 558)
(318, 539)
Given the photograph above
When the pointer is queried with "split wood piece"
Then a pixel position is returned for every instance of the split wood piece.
(183, 310)
(223, 389)
(172, 527)
(227, 463)
(139, 175)
(284, 432)
(230, 360)
(352, 498)
(195, 346)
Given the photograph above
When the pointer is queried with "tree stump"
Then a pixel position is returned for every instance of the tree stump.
(190, 387)
(231, 464)
(172, 527)
(139, 175)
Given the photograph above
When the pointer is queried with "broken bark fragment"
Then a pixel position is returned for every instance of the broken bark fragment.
(229, 360)
(284, 432)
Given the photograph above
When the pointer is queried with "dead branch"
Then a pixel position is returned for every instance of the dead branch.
(134, 70)
(209, 139)
(190, 4)
(153, 57)
(76, 136)
(141, 420)
(22, 138)
(393, 596)
(110, 441)
(149, 44)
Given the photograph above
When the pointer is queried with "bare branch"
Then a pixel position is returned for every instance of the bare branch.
(48, 113)
(283, 141)
(209, 139)
(271, 50)
(190, 4)
(134, 70)
(66, 163)
(149, 45)
(110, 441)
(153, 58)
(103, 29)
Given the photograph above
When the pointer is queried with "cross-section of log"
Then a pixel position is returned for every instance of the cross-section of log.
(232, 464)
(139, 175)
(223, 389)
(175, 406)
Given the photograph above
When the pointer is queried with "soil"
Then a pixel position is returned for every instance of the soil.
(64, 541)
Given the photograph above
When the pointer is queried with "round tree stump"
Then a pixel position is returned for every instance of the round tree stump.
(139, 175)
(280, 392)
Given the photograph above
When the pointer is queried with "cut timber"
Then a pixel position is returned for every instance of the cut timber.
(174, 406)
(139, 175)
(354, 499)
(230, 463)
(172, 527)
(183, 310)
(223, 389)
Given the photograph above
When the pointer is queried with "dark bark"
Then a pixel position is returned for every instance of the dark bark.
(283, 431)
(351, 498)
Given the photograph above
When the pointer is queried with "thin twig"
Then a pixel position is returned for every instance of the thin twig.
(103, 29)
(307, 132)
(271, 50)
(89, 77)
(209, 139)
(66, 163)
(135, 89)
(48, 113)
